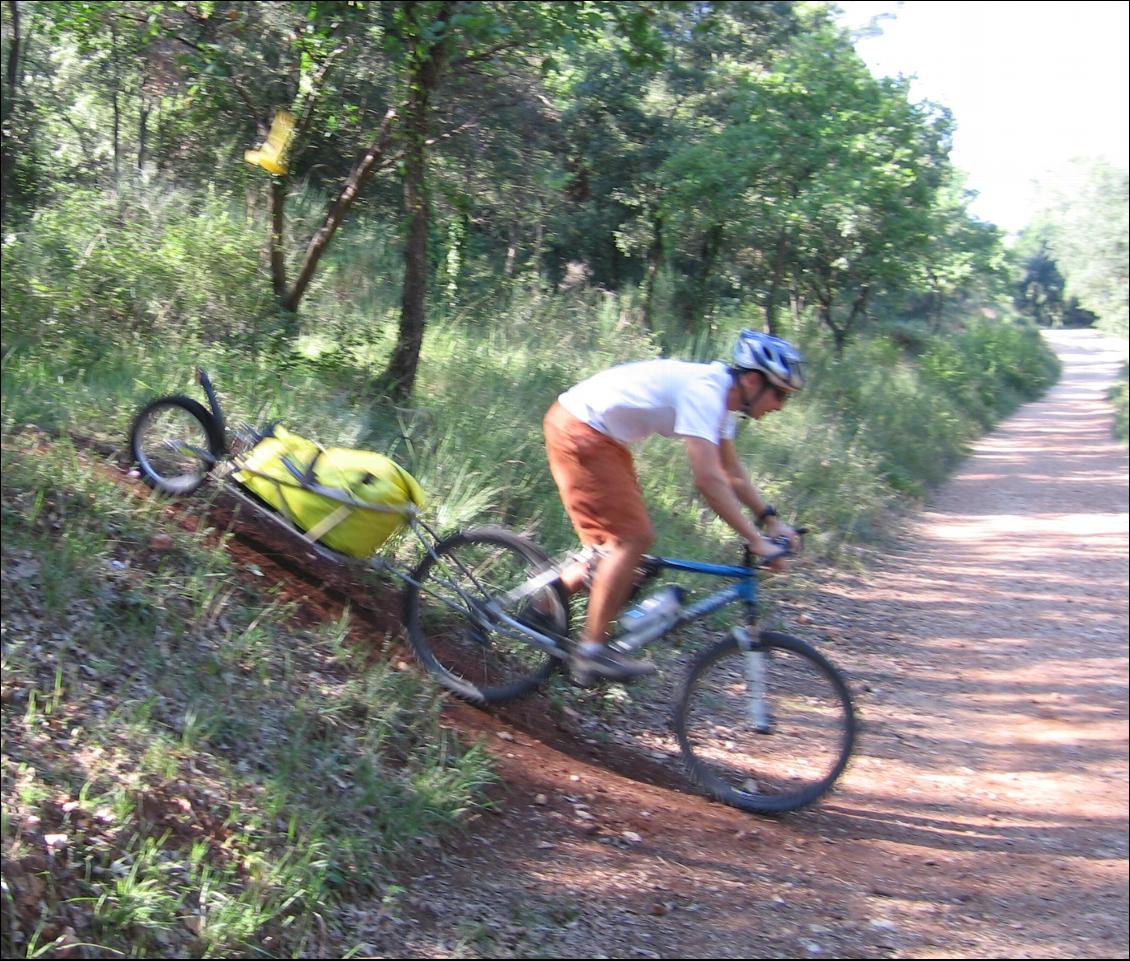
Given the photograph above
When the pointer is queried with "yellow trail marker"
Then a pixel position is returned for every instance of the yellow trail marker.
(271, 156)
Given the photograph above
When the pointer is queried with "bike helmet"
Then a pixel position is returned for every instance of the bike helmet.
(777, 359)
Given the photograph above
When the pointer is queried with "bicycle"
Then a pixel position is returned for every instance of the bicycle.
(764, 721)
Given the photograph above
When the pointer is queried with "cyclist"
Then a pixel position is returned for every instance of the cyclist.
(588, 431)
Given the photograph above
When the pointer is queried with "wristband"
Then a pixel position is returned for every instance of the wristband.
(770, 511)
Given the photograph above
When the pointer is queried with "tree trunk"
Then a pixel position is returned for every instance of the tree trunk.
(278, 257)
(8, 143)
(399, 377)
(116, 113)
(115, 105)
(654, 259)
(839, 334)
(776, 283)
(511, 252)
(142, 135)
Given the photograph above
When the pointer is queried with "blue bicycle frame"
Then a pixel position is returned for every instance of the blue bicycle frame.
(744, 590)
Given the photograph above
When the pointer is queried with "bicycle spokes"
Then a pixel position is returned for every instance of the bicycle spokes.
(463, 624)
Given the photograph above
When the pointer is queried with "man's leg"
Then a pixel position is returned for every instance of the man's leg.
(601, 494)
(612, 583)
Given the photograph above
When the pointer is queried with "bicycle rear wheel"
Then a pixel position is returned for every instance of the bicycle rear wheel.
(175, 442)
(451, 611)
(768, 730)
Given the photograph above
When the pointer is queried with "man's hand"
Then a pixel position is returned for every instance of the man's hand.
(773, 555)
(775, 527)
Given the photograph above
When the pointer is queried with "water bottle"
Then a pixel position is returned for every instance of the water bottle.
(651, 617)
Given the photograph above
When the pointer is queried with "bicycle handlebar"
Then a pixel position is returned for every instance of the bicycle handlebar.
(750, 558)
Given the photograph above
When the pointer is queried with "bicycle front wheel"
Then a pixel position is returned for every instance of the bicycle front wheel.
(768, 730)
(175, 442)
(452, 606)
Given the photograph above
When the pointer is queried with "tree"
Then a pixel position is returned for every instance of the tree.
(1089, 237)
(428, 44)
(651, 178)
(1041, 290)
(51, 50)
(421, 44)
(965, 263)
(450, 37)
(819, 184)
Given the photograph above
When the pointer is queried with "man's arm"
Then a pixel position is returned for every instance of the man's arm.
(748, 493)
(718, 489)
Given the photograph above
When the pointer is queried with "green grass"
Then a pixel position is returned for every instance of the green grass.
(186, 771)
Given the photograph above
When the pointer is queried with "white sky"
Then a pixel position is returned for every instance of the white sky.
(1031, 85)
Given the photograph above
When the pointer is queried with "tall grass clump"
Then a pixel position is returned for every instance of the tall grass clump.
(92, 267)
(990, 369)
(106, 296)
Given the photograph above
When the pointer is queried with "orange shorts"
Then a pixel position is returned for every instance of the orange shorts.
(597, 480)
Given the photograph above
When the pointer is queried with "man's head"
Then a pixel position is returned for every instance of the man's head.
(766, 370)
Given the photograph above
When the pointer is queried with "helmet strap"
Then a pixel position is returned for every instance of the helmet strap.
(746, 400)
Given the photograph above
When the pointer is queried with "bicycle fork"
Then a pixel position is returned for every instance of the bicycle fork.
(755, 664)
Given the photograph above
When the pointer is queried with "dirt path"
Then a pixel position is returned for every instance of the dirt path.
(985, 814)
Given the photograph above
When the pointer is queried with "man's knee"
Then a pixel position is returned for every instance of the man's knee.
(640, 541)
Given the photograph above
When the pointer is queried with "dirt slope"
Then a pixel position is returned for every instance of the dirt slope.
(985, 814)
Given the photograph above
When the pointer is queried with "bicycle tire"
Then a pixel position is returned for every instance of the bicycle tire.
(765, 772)
(467, 650)
(167, 441)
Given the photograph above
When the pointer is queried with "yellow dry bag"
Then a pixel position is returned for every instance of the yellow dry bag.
(364, 476)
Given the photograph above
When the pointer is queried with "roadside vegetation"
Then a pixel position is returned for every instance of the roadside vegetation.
(193, 764)
(191, 769)
(1120, 398)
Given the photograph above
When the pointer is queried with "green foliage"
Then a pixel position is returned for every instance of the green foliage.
(1089, 234)
(1120, 398)
(716, 156)
(990, 368)
(1041, 291)
(880, 421)
(143, 262)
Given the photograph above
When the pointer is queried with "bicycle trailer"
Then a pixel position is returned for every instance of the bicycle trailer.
(349, 500)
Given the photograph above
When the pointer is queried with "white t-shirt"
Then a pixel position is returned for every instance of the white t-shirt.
(673, 398)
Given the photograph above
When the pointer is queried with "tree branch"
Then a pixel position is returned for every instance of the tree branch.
(365, 168)
(483, 55)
